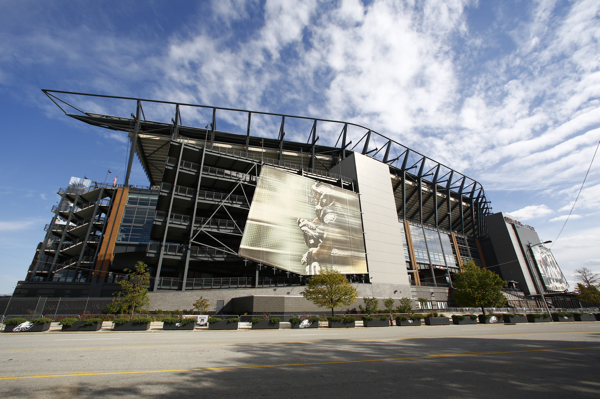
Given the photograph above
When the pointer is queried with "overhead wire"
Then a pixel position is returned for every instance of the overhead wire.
(576, 198)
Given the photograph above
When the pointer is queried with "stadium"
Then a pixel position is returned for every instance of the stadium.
(248, 207)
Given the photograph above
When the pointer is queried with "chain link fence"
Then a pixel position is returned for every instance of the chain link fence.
(50, 307)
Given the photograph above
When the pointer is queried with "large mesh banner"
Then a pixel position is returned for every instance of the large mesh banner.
(301, 225)
(553, 278)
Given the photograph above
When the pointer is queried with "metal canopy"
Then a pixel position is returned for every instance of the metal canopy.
(447, 198)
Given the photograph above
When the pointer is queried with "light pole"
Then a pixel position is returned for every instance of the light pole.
(106, 177)
(540, 289)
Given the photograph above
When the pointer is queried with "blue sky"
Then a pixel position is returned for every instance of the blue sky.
(505, 92)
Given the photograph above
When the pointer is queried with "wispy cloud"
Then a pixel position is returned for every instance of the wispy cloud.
(564, 217)
(531, 212)
(16, 225)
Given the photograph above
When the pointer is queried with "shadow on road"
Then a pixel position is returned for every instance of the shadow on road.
(424, 368)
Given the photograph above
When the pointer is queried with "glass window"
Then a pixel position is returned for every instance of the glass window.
(404, 243)
(448, 250)
(434, 246)
(418, 239)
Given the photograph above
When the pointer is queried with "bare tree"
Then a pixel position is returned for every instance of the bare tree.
(587, 277)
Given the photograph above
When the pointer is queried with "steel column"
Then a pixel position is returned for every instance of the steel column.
(188, 252)
(134, 140)
(164, 241)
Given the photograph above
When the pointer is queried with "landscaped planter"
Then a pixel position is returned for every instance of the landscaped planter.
(408, 322)
(265, 325)
(223, 325)
(339, 322)
(376, 322)
(560, 317)
(437, 321)
(490, 319)
(179, 326)
(584, 317)
(460, 320)
(78, 326)
(311, 322)
(131, 326)
(512, 318)
(26, 326)
(537, 318)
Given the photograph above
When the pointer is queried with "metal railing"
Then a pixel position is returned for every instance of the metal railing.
(173, 283)
(195, 251)
(274, 162)
(213, 224)
(91, 239)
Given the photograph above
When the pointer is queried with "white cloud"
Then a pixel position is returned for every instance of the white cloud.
(589, 199)
(43, 196)
(531, 212)
(564, 217)
(16, 225)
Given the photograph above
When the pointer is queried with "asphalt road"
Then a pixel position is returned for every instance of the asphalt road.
(479, 361)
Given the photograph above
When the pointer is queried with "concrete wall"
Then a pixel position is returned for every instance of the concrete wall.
(283, 299)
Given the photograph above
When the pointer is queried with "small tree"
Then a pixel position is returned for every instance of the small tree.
(423, 302)
(405, 305)
(389, 305)
(476, 287)
(371, 306)
(134, 292)
(201, 305)
(589, 294)
(330, 289)
(587, 277)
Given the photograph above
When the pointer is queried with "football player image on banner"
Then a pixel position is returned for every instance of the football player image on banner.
(301, 225)
(551, 274)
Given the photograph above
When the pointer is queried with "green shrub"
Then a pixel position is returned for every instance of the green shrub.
(120, 321)
(213, 320)
(432, 314)
(15, 321)
(274, 320)
(91, 322)
(171, 320)
(405, 305)
(233, 320)
(68, 322)
(458, 317)
(295, 320)
(367, 318)
(255, 320)
(383, 317)
(314, 319)
(349, 319)
(416, 317)
(142, 320)
(334, 318)
(41, 321)
(473, 316)
(401, 318)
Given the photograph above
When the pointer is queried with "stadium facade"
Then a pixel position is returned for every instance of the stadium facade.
(245, 211)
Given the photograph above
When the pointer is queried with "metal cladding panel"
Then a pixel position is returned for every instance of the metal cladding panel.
(511, 261)
(383, 237)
